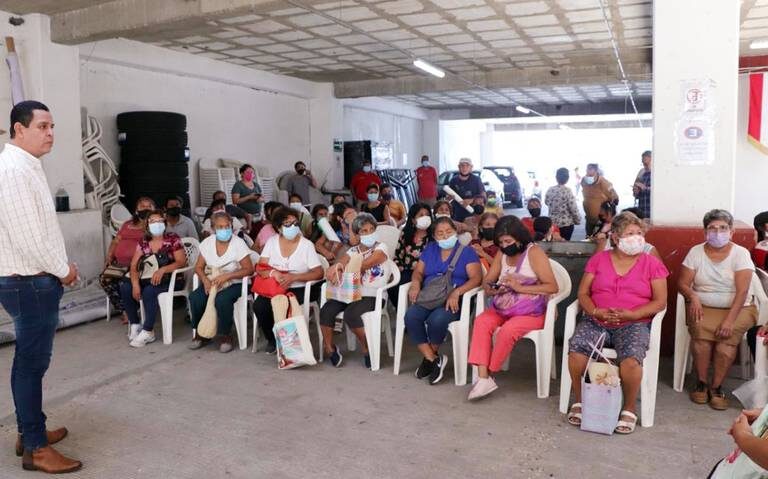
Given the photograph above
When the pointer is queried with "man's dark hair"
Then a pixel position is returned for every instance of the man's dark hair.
(219, 192)
(269, 208)
(593, 166)
(217, 203)
(373, 186)
(23, 112)
(176, 198)
(646, 153)
(296, 165)
(541, 226)
(760, 220)
(295, 196)
(245, 167)
(562, 176)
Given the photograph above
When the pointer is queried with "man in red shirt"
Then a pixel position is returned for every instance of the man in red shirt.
(426, 176)
(361, 180)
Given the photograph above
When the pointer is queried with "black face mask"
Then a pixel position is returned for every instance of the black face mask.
(478, 209)
(387, 196)
(535, 212)
(142, 214)
(487, 233)
(512, 249)
(300, 171)
(174, 211)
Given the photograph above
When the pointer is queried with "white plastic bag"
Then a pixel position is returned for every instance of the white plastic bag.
(753, 394)
(294, 348)
(600, 402)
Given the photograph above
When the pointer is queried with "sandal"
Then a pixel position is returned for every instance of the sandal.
(626, 427)
(574, 418)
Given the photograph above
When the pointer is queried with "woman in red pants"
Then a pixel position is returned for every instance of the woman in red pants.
(522, 274)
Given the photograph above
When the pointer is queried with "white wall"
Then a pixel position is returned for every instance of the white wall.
(751, 164)
(383, 120)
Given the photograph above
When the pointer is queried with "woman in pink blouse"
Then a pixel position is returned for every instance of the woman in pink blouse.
(622, 289)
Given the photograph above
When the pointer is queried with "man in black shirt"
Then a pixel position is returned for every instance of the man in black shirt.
(468, 186)
(232, 210)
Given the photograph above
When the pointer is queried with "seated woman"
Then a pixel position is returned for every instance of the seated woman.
(232, 258)
(170, 255)
(305, 218)
(374, 254)
(442, 209)
(521, 267)
(714, 279)
(294, 262)
(412, 242)
(484, 245)
(246, 193)
(760, 251)
(266, 230)
(603, 228)
(121, 250)
(220, 206)
(318, 211)
(622, 289)
(341, 222)
(428, 326)
(377, 208)
(257, 226)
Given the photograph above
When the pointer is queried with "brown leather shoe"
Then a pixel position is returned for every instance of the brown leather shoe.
(53, 437)
(719, 401)
(47, 459)
(700, 394)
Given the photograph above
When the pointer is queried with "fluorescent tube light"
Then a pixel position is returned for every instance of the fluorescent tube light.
(429, 68)
(758, 44)
(522, 109)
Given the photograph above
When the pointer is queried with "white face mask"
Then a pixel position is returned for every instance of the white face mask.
(441, 215)
(590, 180)
(632, 245)
(296, 206)
(423, 222)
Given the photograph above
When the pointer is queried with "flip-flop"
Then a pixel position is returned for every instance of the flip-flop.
(630, 425)
(574, 418)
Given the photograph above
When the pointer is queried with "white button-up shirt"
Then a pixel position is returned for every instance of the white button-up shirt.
(30, 238)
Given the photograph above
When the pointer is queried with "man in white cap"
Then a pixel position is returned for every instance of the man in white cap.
(468, 186)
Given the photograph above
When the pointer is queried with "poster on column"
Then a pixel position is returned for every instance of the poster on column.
(695, 126)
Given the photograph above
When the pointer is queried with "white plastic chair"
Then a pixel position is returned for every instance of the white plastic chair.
(240, 312)
(373, 321)
(650, 365)
(310, 310)
(390, 236)
(543, 339)
(459, 331)
(165, 300)
(683, 361)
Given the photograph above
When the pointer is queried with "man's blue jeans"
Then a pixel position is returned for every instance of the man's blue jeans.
(33, 303)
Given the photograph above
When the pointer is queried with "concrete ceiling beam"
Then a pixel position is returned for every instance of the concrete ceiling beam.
(495, 79)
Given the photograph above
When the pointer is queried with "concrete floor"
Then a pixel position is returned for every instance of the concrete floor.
(167, 412)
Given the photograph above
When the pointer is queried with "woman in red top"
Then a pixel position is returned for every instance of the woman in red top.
(622, 289)
(121, 251)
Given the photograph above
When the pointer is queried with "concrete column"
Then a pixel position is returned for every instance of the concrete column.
(693, 40)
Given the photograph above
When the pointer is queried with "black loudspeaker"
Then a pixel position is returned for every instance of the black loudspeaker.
(355, 153)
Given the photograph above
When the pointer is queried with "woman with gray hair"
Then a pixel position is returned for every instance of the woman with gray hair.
(622, 289)
(373, 276)
(715, 279)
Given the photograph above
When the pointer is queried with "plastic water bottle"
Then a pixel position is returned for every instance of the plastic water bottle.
(62, 200)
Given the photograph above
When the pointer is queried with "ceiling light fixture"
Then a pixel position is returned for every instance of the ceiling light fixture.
(429, 68)
(522, 109)
(758, 44)
(563, 126)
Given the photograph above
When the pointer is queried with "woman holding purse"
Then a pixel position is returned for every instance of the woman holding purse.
(428, 318)
(373, 255)
(232, 258)
(520, 281)
(169, 252)
(290, 260)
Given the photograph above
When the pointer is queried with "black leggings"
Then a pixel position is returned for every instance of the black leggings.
(566, 232)
(353, 312)
(262, 308)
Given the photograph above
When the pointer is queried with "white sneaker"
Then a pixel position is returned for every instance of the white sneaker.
(133, 331)
(143, 338)
(482, 388)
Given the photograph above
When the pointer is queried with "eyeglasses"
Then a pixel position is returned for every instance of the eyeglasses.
(717, 229)
(288, 225)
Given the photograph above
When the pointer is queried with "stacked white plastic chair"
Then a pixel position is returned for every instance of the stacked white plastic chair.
(544, 339)
(650, 378)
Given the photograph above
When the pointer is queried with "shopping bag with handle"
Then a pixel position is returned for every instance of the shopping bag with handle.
(294, 348)
(601, 398)
(349, 288)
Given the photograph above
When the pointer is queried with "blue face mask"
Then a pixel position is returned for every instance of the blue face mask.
(224, 235)
(373, 197)
(367, 169)
(157, 229)
(290, 232)
(448, 243)
(368, 240)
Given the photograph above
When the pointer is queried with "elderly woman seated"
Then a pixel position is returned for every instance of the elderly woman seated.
(622, 289)
(146, 285)
(715, 280)
(373, 276)
(427, 320)
(293, 262)
(229, 260)
(521, 267)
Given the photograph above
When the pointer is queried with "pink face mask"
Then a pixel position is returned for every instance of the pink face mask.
(248, 175)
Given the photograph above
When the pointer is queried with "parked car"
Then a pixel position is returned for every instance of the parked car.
(489, 179)
(513, 194)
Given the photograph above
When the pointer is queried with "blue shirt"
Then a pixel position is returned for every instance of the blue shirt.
(467, 189)
(434, 265)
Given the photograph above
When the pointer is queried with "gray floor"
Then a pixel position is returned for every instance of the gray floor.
(166, 412)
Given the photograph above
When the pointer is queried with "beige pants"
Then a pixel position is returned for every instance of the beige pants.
(712, 318)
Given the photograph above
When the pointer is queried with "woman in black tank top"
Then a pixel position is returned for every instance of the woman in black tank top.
(375, 207)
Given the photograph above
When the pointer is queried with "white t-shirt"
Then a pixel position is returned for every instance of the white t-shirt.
(230, 260)
(236, 226)
(714, 282)
(302, 260)
(372, 278)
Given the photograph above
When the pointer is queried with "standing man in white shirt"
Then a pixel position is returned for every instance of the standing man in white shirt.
(33, 268)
